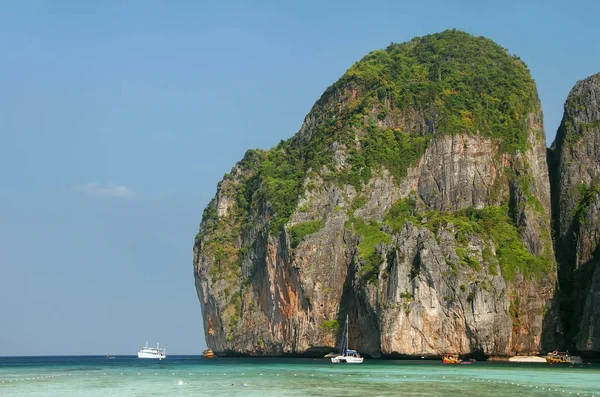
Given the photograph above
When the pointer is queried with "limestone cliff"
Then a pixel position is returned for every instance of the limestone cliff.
(415, 198)
(575, 169)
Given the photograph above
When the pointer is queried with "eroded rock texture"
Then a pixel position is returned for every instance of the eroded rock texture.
(575, 169)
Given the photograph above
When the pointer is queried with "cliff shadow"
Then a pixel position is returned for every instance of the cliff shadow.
(564, 318)
(364, 335)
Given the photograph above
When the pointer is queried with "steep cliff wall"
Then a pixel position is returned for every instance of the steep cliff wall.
(415, 198)
(575, 169)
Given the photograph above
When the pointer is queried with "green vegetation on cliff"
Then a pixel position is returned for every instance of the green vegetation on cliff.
(451, 82)
(297, 232)
(392, 149)
(571, 128)
(371, 236)
(587, 195)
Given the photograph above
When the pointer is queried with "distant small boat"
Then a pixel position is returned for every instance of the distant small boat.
(208, 353)
(557, 357)
(109, 356)
(152, 352)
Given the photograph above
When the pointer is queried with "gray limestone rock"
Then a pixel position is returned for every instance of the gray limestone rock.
(575, 171)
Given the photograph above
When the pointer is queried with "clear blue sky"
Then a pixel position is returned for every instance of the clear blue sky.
(118, 118)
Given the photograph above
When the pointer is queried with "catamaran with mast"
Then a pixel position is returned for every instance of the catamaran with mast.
(347, 355)
(152, 352)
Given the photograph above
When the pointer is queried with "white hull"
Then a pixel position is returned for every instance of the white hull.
(152, 352)
(354, 360)
(347, 359)
(151, 355)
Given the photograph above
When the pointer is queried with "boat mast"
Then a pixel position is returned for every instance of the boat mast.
(346, 352)
(343, 344)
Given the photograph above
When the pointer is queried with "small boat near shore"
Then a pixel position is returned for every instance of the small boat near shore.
(451, 359)
(455, 359)
(347, 355)
(557, 357)
(208, 353)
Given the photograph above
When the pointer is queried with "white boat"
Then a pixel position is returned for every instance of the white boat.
(347, 355)
(152, 352)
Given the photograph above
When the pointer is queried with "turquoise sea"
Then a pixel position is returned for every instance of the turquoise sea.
(194, 376)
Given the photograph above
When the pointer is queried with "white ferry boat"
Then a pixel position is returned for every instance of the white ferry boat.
(152, 352)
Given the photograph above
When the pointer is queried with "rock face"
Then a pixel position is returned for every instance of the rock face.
(415, 199)
(575, 169)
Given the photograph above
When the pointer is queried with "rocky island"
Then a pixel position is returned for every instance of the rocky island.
(416, 198)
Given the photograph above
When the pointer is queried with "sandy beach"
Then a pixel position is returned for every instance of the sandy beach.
(527, 359)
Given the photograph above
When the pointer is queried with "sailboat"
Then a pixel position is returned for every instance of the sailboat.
(347, 355)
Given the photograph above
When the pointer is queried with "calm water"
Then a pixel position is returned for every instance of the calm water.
(194, 376)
